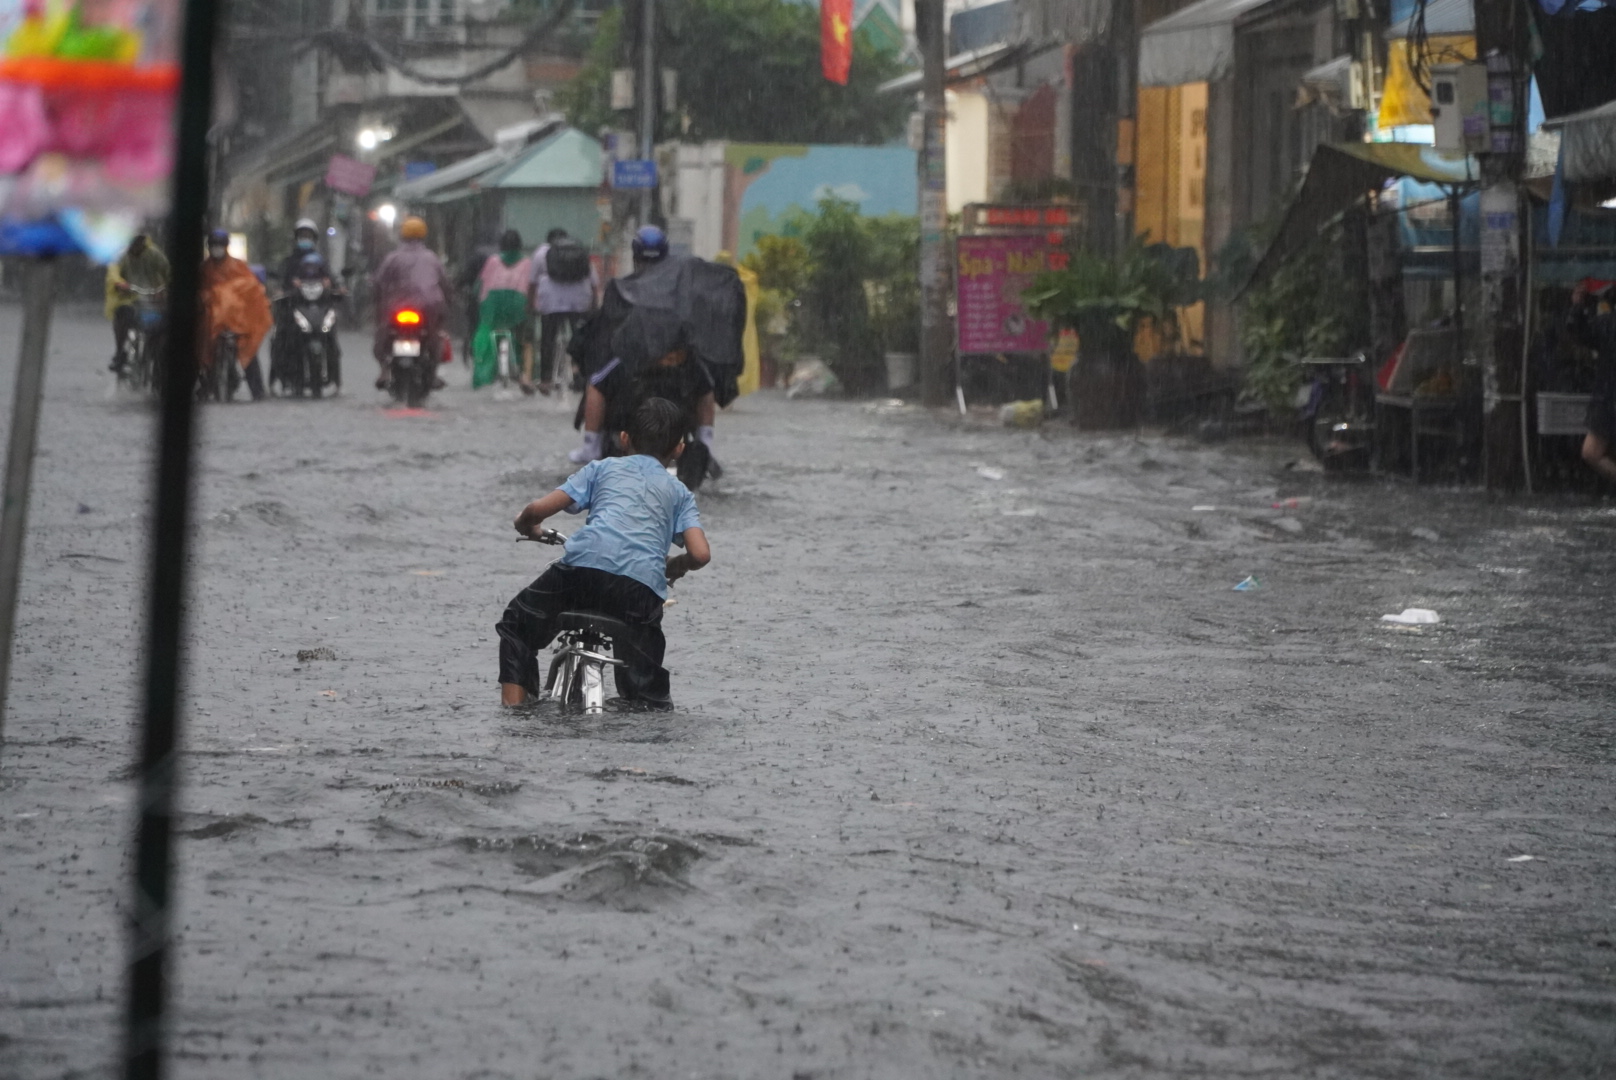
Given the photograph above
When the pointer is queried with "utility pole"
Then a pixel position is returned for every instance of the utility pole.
(1501, 37)
(936, 339)
(647, 97)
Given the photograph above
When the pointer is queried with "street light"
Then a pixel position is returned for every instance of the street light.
(372, 137)
(387, 213)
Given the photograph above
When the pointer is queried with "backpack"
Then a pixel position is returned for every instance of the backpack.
(567, 263)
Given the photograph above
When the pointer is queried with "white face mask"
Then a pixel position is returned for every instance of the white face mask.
(216, 252)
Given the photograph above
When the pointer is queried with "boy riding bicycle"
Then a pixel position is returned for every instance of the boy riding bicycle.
(616, 565)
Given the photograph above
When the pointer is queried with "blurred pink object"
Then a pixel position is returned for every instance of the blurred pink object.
(25, 128)
(130, 131)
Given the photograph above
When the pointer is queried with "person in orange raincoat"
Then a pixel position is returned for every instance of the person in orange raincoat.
(233, 299)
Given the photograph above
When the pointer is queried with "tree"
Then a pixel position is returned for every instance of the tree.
(749, 71)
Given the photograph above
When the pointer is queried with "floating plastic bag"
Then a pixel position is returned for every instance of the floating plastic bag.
(1414, 616)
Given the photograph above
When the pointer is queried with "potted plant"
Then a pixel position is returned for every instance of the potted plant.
(1105, 300)
(893, 290)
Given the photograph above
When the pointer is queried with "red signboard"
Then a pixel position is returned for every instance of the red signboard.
(992, 273)
(1015, 217)
(348, 176)
(1026, 216)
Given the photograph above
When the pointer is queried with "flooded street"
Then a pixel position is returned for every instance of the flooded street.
(980, 765)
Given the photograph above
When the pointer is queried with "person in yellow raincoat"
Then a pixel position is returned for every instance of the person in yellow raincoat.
(141, 267)
(233, 299)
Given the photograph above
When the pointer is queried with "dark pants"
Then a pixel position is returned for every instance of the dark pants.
(529, 624)
(549, 330)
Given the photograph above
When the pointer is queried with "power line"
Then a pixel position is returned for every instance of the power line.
(349, 41)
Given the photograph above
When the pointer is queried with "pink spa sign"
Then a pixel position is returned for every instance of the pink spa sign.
(991, 273)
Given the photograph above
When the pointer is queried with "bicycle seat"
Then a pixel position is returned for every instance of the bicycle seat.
(590, 622)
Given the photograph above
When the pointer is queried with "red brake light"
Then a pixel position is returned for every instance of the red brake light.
(408, 318)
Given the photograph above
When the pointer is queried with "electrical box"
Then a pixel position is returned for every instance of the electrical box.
(1459, 108)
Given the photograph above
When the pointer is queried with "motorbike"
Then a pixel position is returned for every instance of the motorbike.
(577, 677)
(140, 343)
(1338, 409)
(313, 361)
(413, 364)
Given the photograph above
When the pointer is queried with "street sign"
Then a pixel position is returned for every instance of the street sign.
(348, 176)
(992, 273)
(634, 175)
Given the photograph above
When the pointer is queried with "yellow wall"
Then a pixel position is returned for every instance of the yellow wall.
(1170, 181)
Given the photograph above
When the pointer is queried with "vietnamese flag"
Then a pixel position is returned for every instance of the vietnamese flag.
(836, 39)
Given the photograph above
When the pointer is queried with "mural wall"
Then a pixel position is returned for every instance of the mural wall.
(768, 184)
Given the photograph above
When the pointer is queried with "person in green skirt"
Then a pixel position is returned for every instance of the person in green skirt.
(503, 309)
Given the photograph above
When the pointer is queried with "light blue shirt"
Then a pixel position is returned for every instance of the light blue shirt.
(635, 511)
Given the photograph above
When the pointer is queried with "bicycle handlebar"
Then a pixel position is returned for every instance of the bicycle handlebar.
(545, 536)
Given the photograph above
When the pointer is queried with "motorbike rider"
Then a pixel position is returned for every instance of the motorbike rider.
(233, 299)
(142, 265)
(305, 242)
(311, 268)
(297, 267)
(412, 276)
(676, 372)
(559, 301)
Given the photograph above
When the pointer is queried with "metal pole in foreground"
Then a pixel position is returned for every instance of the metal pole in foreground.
(144, 1041)
(936, 343)
(20, 455)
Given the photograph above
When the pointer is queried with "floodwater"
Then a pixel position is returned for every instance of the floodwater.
(980, 766)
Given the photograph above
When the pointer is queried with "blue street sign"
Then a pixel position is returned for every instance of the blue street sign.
(634, 175)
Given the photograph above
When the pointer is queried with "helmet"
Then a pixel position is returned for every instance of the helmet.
(650, 244)
(306, 225)
(413, 228)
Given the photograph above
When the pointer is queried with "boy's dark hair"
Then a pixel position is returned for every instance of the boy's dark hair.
(510, 240)
(657, 428)
(555, 235)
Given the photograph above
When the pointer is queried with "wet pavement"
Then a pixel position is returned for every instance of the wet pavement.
(980, 766)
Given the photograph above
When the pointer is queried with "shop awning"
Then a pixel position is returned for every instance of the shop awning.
(567, 159)
(1040, 23)
(434, 184)
(494, 116)
(1192, 45)
(1588, 143)
(967, 65)
(1338, 177)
